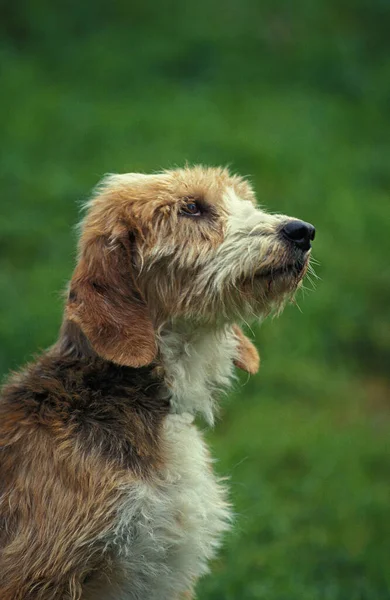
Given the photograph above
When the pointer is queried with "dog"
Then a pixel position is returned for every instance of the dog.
(107, 490)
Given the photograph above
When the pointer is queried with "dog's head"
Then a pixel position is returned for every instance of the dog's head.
(187, 244)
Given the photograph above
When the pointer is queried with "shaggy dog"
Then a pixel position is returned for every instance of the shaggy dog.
(106, 486)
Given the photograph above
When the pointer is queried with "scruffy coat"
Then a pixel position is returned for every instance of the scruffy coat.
(106, 485)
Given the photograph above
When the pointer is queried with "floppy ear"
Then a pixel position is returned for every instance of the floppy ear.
(248, 358)
(105, 303)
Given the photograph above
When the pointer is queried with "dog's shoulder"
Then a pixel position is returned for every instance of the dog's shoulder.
(89, 402)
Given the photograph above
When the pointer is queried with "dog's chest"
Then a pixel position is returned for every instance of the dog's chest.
(170, 527)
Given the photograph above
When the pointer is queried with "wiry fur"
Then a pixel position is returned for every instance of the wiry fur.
(106, 486)
(198, 363)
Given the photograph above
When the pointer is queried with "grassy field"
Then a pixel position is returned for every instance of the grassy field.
(296, 95)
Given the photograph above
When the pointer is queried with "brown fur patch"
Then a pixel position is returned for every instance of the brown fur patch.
(73, 433)
(105, 303)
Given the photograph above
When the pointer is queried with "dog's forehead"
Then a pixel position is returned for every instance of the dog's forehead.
(208, 182)
(141, 195)
(211, 184)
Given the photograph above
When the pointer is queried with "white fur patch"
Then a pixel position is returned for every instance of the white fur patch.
(198, 364)
(245, 218)
(169, 528)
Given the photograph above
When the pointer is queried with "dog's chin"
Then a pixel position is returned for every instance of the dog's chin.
(270, 285)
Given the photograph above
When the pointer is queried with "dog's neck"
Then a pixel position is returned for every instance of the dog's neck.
(198, 363)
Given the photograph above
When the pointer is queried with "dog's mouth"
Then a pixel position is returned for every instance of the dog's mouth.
(290, 270)
(270, 285)
(276, 281)
(295, 269)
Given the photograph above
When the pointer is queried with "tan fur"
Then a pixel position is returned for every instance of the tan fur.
(248, 358)
(59, 506)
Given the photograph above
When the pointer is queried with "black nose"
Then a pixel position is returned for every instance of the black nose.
(300, 233)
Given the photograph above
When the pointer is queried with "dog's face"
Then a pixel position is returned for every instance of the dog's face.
(186, 244)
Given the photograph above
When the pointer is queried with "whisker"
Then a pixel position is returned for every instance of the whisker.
(295, 303)
(312, 282)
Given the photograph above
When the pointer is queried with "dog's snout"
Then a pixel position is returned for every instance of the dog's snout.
(301, 234)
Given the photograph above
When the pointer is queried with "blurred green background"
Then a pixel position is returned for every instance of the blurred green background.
(296, 95)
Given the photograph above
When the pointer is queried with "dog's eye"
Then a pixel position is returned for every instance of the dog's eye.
(191, 209)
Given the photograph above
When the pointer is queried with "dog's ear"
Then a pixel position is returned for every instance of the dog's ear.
(105, 303)
(248, 358)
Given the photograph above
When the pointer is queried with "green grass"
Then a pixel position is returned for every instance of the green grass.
(296, 96)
